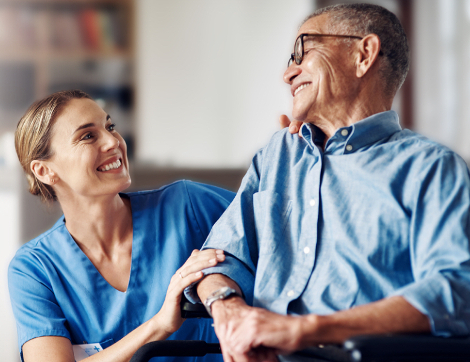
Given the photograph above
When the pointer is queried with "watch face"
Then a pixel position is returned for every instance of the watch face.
(222, 293)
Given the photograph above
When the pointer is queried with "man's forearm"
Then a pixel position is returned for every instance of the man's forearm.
(390, 315)
(213, 282)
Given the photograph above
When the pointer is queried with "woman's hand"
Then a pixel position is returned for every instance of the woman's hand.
(294, 126)
(169, 317)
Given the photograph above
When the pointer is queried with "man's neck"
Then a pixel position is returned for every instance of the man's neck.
(343, 115)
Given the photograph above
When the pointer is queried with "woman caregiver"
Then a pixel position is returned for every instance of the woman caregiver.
(108, 274)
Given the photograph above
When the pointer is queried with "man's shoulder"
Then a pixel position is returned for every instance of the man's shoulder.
(415, 143)
(426, 155)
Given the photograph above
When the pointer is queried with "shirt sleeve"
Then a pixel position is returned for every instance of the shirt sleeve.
(235, 233)
(35, 307)
(439, 247)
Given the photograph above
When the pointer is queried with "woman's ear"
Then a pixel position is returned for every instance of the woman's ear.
(43, 172)
(368, 52)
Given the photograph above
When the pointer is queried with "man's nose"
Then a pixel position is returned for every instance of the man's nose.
(291, 72)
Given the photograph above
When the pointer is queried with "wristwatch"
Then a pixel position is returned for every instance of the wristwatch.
(222, 293)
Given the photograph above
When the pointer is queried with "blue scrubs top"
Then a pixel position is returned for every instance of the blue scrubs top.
(55, 290)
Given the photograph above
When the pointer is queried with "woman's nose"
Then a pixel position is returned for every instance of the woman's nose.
(110, 142)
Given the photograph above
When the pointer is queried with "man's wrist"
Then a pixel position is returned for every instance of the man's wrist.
(223, 293)
(223, 304)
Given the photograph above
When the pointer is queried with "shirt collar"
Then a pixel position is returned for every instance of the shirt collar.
(352, 138)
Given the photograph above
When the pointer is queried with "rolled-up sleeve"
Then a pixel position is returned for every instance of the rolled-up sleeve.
(439, 247)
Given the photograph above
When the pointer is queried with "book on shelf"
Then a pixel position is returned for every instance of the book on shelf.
(84, 28)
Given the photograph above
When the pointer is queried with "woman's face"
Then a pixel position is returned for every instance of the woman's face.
(89, 155)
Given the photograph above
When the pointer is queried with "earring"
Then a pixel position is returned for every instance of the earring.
(52, 180)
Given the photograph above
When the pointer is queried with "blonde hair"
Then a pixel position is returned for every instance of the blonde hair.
(33, 136)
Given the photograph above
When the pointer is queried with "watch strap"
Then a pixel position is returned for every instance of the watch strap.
(219, 294)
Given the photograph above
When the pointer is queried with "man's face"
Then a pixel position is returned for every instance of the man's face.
(325, 80)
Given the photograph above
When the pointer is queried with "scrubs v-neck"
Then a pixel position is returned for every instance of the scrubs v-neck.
(56, 291)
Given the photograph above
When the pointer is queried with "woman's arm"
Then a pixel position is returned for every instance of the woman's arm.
(159, 327)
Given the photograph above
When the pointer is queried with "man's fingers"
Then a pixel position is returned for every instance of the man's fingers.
(265, 354)
(226, 356)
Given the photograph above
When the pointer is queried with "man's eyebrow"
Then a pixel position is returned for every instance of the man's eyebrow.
(88, 125)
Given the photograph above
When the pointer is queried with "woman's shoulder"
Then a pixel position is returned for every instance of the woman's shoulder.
(182, 190)
(39, 248)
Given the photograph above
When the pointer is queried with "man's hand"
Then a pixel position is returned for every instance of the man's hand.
(294, 126)
(249, 334)
(236, 326)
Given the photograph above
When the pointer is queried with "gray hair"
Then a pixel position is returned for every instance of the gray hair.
(364, 19)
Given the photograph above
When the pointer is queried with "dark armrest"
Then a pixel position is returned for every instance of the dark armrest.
(408, 348)
(174, 348)
(190, 310)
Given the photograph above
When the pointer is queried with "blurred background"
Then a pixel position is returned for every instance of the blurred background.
(195, 87)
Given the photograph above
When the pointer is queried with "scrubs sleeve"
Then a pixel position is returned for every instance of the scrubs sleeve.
(235, 233)
(208, 204)
(34, 304)
(439, 247)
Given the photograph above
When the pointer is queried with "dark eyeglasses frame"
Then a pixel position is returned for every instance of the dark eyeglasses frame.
(297, 58)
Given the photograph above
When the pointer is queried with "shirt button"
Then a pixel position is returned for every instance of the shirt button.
(344, 132)
(348, 147)
(312, 202)
(306, 250)
(290, 293)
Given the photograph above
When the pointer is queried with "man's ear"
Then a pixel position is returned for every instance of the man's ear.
(368, 52)
(43, 172)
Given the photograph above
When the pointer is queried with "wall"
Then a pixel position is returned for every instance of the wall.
(442, 75)
(209, 78)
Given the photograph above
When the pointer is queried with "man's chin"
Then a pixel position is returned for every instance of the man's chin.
(299, 116)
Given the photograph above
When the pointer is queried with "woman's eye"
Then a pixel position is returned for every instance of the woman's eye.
(112, 127)
(88, 136)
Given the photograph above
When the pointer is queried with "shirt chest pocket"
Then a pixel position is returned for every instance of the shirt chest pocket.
(272, 213)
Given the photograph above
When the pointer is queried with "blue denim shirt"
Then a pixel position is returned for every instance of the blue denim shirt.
(381, 211)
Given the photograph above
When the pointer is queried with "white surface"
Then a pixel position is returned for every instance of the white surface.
(442, 74)
(10, 226)
(209, 78)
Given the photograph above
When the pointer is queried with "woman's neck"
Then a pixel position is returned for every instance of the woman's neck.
(99, 223)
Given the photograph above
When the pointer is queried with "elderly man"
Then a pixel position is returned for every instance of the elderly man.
(358, 227)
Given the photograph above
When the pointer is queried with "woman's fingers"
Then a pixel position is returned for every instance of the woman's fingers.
(200, 260)
(284, 121)
(178, 284)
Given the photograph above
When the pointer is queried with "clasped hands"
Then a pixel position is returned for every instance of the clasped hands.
(249, 334)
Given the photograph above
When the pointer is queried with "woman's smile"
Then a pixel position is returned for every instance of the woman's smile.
(110, 166)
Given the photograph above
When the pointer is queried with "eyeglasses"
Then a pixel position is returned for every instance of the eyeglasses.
(298, 54)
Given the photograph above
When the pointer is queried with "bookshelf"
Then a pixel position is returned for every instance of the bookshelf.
(51, 45)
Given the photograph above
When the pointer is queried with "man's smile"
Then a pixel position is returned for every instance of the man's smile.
(299, 88)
